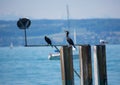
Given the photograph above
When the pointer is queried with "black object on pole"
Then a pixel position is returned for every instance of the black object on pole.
(24, 23)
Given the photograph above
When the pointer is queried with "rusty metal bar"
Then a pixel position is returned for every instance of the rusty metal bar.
(43, 45)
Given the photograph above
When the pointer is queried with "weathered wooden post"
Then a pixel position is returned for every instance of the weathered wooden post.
(100, 71)
(85, 64)
(66, 58)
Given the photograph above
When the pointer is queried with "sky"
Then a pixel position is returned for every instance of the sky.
(56, 9)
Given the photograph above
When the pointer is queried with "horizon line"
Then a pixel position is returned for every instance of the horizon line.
(56, 19)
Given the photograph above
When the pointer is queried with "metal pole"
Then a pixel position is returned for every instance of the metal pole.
(25, 37)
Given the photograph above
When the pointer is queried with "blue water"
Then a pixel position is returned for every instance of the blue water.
(30, 66)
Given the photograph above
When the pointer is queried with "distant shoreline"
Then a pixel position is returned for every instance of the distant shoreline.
(87, 30)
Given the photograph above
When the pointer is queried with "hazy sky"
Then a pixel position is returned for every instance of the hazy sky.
(56, 9)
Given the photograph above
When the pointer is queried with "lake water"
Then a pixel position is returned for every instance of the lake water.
(30, 66)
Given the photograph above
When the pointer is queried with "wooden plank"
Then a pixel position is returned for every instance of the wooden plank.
(85, 64)
(66, 58)
(100, 71)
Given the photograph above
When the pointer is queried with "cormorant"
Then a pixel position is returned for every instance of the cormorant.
(48, 41)
(69, 40)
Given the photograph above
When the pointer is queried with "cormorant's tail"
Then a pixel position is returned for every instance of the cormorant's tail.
(75, 47)
(51, 46)
(55, 47)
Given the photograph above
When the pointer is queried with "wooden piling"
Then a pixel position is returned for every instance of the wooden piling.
(100, 72)
(66, 58)
(85, 64)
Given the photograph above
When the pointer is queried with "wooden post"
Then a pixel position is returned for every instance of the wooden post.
(67, 65)
(85, 65)
(100, 71)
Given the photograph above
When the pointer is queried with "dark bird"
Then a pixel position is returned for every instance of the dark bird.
(69, 40)
(48, 41)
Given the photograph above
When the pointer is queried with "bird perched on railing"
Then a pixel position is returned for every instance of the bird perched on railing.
(69, 40)
(49, 42)
(47, 39)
